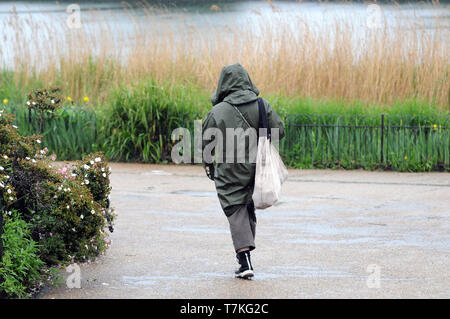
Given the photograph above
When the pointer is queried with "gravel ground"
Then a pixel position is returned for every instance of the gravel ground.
(334, 234)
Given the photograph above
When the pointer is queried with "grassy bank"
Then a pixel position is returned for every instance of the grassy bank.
(137, 122)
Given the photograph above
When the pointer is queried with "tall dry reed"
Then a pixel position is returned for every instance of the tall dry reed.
(340, 61)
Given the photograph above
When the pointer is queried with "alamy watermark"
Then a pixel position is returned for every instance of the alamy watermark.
(73, 21)
(74, 279)
(373, 280)
(237, 146)
(374, 17)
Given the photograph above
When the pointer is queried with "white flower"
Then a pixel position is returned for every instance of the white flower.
(9, 191)
(103, 169)
(2, 168)
(86, 166)
(28, 103)
(27, 158)
(92, 212)
(98, 159)
(11, 199)
(92, 162)
(86, 182)
(16, 127)
(38, 141)
(104, 175)
(33, 160)
(2, 185)
(34, 103)
(42, 151)
(53, 101)
(82, 216)
(68, 207)
(5, 156)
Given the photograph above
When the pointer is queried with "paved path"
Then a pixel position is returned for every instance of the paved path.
(330, 236)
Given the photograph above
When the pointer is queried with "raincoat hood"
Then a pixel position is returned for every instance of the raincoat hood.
(235, 86)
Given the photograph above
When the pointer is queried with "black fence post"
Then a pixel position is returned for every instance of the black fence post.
(382, 139)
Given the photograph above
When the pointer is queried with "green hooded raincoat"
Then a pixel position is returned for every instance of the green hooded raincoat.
(235, 181)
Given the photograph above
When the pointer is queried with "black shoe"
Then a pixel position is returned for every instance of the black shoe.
(246, 269)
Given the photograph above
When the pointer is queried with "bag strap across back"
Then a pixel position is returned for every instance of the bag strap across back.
(263, 122)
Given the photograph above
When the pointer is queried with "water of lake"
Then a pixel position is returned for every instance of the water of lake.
(201, 15)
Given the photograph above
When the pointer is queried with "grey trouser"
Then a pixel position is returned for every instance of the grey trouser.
(243, 227)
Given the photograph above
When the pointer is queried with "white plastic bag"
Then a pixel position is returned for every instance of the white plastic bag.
(269, 176)
(270, 170)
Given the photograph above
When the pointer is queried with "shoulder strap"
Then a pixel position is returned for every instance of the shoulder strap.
(263, 122)
(246, 122)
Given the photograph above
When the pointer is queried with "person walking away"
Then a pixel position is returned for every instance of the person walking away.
(235, 105)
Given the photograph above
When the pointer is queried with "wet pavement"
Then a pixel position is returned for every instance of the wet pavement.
(334, 234)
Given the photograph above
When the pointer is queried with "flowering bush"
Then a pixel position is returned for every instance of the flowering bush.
(45, 100)
(66, 208)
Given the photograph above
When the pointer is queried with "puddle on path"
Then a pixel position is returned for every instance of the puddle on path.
(328, 181)
(421, 240)
(143, 281)
(197, 229)
(383, 219)
(157, 172)
(282, 214)
(171, 213)
(302, 272)
(195, 193)
(265, 273)
(346, 241)
(325, 229)
(135, 197)
(287, 272)
(399, 206)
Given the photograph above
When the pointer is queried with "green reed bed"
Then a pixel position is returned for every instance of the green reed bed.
(135, 126)
(406, 136)
(401, 143)
(71, 134)
(137, 122)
